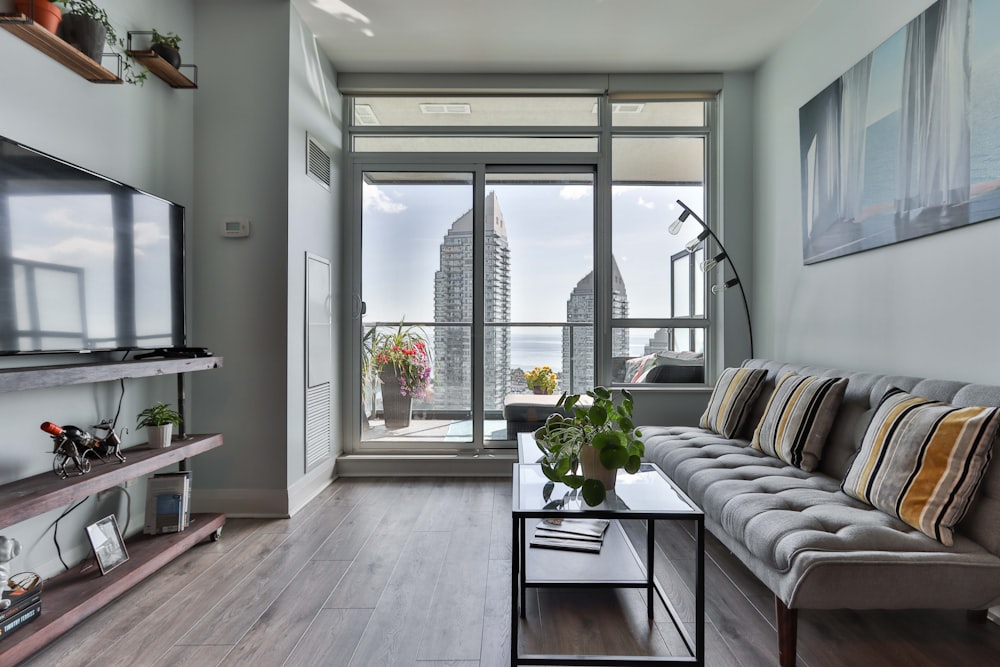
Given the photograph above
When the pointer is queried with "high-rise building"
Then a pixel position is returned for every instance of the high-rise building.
(578, 341)
(453, 303)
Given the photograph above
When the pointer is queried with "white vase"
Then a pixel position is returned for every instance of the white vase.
(159, 436)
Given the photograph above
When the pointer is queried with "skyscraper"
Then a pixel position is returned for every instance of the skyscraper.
(453, 303)
(578, 341)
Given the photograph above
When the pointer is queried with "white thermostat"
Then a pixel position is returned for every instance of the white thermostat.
(234, 229)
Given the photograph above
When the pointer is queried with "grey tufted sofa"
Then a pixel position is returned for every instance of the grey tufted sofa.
(811, 544)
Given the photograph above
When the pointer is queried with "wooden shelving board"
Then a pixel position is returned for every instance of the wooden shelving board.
(57, 49)
(70, 598)
(161, 68)
(41, 493)
(44, 377)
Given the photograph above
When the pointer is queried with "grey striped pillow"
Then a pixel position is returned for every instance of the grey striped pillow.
(732, 400)
(922, 461)
(798, 418)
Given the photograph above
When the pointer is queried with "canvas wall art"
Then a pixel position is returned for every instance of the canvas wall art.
(907, 142)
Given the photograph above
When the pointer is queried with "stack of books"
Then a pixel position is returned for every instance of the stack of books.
(570, 534)
(25, 606)
(168, 503)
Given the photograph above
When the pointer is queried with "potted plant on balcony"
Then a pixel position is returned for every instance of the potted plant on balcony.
(160, 419)
(541, 380)
(585, 449)
(401, 361)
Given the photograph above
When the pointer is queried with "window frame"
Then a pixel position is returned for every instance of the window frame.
(357, 163)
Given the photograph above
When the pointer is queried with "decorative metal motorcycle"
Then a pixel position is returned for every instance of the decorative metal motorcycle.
(73, 445)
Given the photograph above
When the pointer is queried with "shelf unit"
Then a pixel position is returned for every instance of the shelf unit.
(20, 26)
(69, 598)
(161, 68)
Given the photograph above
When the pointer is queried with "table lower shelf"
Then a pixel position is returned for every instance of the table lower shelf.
(71, 597)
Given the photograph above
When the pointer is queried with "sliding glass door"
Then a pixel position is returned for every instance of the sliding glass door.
(469, 281)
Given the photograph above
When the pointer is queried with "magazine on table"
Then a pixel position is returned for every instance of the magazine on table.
(584, 527)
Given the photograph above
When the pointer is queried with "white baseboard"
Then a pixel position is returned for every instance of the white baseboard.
(310, 486)
(242, 503)
(491, 464)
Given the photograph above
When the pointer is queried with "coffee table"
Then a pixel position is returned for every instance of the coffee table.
(648, 495)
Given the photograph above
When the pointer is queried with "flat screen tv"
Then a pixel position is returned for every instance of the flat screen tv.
(86, 263)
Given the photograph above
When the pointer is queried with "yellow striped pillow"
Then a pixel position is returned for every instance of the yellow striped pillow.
(732, 400)
(798, 418)
(922, 461)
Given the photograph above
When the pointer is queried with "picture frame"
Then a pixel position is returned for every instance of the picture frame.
(106, 540)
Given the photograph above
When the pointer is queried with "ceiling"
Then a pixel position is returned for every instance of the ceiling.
(551, 36)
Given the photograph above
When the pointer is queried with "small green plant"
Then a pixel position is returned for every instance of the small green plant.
(160, 414)
(606, 424)
(168, 39)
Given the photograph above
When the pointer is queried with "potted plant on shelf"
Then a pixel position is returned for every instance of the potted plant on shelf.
(42, 12)
(541, 380)
(165, 45)
(87, 27)
(160, 419)
(585, 449)
(401, 361)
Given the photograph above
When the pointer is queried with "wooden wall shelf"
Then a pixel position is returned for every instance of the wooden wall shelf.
(161, 68)
(43, 377)
(57, 49)
(40, 493)
(73, 596)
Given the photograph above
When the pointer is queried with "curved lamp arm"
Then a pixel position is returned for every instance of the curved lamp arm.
(676, 227)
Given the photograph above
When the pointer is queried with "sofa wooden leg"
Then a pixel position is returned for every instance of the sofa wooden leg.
(977, 615)
(787, 628)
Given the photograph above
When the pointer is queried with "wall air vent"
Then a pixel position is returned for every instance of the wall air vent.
(623, 107)
(364, 115)
(449, 107)
(318, 163)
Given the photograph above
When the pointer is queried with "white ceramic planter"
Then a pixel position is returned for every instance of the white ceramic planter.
(159, 436)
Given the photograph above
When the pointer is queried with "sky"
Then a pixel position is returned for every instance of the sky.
(550, 233)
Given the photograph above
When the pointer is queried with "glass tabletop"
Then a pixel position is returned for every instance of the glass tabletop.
(648, 491)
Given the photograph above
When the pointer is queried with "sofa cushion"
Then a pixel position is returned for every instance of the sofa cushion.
(798, 418)
(922, 460)
(732, 400)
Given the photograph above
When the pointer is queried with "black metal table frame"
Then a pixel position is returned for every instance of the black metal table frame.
(520, 583)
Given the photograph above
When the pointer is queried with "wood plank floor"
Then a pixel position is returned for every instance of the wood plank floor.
(417, 572)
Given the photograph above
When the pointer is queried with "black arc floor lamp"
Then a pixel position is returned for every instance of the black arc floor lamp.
(709, 264)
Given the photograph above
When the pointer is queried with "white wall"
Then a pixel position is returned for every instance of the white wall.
(923, 307)
(314, 106)
(262, 85)
(141, 136)
(240, 304)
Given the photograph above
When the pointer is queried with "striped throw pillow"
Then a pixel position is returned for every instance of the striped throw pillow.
(922, 460)
(732, 400)
(798, 418)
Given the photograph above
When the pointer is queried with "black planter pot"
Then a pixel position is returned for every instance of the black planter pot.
(171, 55)
(84, 33)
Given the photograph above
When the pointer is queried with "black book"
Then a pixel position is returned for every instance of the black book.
(21, 618)
(19, 600)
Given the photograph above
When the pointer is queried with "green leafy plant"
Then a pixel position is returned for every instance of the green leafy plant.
(160, 414)
(130, 72)
(606, 424)
(166, 39)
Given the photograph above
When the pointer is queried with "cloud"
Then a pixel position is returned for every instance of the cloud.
(375, 199)
(646, 204)
(71, 252)
(63, 218)
(618, 190)
(573, 192)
